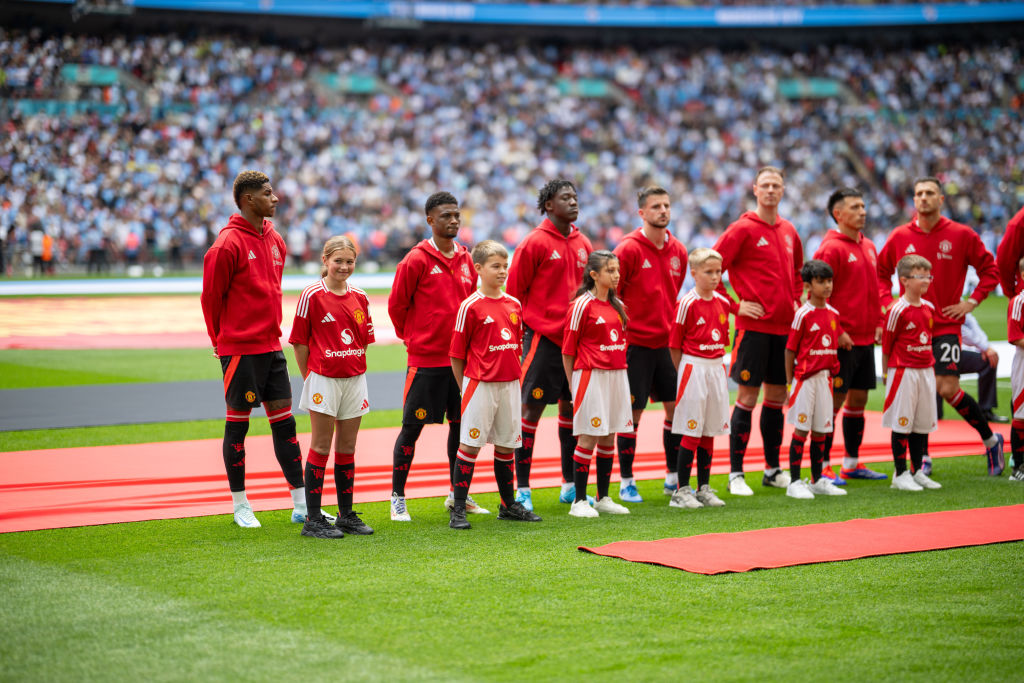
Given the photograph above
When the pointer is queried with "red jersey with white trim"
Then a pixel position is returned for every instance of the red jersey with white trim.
(814, 338)
(594, 335)
(336, 328)
(241, 296)
(907, 336)
(763, 262)
(489, 337)
(950, 247)
(546, 270)
(701, 326)
(1009, 253)
(649, 283)
(425, 296)
(854, 284)
(1015, 319)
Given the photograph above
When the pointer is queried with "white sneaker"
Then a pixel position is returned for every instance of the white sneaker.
(581, 508)
(398, 511)
(800, 489)
(825, 487)
(610, 507)
(779, 480)
(471, 505)
(924, 481)
(738, 487)
(685, 498)
(706, 495)
(245, 518)
(905, 482)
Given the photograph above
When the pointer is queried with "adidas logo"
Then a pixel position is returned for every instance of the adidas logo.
(814, 327)
(251, 255)
(647, 264)
(910, 249)
(911, 325)
(488, 319)
(599, 321)
(555, 256)
(700, 321)
(366, 404)
(852, 259)
(762, 242)
(436, 270)
(328, 319)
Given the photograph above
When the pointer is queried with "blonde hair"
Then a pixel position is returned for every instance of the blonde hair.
(486, 249)
(911, 262)
(701, 255)
(337, 243)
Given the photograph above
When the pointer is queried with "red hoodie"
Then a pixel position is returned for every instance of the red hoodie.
(1009, 253)
(764, 264)
(649, 282)
(424, 299)
(547, 269)
(950, 247)
(854, 290)
(242, 289)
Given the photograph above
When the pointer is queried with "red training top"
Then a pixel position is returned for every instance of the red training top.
(424, 299)
(336, 328)
(764, 264)
(594, 335)
(649, 283)
(854, 290)
(241, 296)
(1015, 318)
(950, 247)
(546, 270)
(489, 336)
(907, 337)
(1009, 253)
(701, 327)
(814, 338)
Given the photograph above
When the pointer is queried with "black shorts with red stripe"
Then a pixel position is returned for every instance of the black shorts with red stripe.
(544, 378)
(250, 380)
(946, 349)
(758, 358)
(651, 375)
(430, 394)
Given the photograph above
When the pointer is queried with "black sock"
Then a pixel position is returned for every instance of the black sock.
(1017, 442)
(316, 464)
(344, 479)
(739, 435)
(817, 457)
(627, 451)
(453, 448)
(853, 432)
(971, 412)
(684, 463)
(581, 471)
(234, 453)
(703, 466)
(771, 432)
(670, 442)
(524, 455)
(899, 452)
(796, 455)
(405, 449)
(504, 466)
(464, 466)
(918, 445)
(567, 444)
(286, 448)
(605, 461)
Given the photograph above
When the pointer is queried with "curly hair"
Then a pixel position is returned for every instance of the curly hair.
(548, 192)
(247, 181)
(439, 199)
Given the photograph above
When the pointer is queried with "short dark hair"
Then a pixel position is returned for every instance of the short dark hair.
(928, 179)
(438, 199)
(816, 269)
(550, 189)
(642, 195)
(840, 195)
(248, 181)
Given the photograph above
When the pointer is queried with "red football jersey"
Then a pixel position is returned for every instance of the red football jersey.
(701, 327)
(907, 337)
(337, 330)
(814, 338)
(594, 335)
(489, 336)
(1015, 318)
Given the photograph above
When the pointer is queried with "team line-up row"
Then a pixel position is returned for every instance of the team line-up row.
(599, 333)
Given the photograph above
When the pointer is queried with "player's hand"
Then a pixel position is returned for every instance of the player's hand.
(959, 310)
(751, 309)
(878, 335)
(991, 356)
(845, 342)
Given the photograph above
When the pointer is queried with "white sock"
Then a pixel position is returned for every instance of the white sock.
(299, 499)
(849, 463)
(672, 478)
(771, 471)
(735, 475)
(524, 490)
(628, 481)
(567, 485)
(238, 497)
(991, 441)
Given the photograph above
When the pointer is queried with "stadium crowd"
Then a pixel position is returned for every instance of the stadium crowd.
(150, 155)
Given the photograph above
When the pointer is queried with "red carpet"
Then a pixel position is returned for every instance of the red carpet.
(788, 546)
(65, 487)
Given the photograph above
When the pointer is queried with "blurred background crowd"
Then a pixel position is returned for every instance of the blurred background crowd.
(354, 138)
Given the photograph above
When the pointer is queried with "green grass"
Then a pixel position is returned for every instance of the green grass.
(201, 598)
